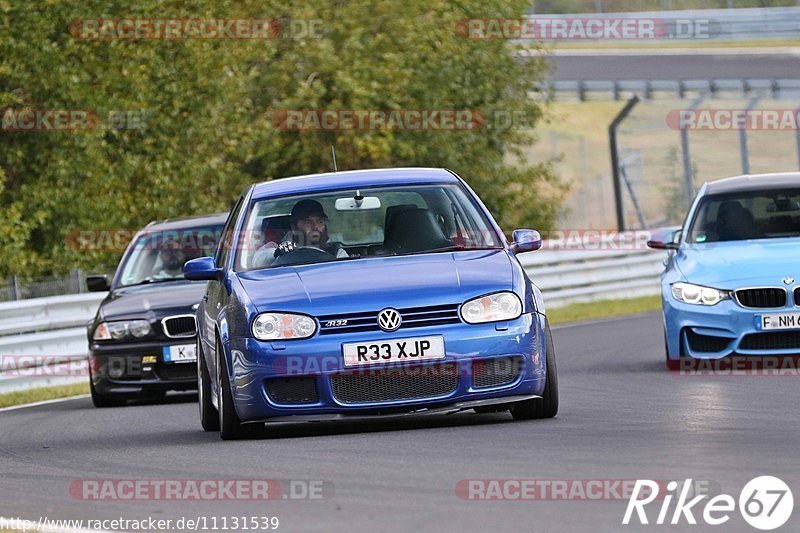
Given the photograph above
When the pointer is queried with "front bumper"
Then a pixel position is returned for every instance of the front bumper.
(318, 363)
(714, 332)
(118, 368)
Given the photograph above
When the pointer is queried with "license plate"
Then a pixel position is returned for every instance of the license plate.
(184, 353)
(778, 321)
(395, 350)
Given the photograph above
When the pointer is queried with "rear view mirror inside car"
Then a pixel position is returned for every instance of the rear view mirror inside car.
(781, 204)
(358, 203)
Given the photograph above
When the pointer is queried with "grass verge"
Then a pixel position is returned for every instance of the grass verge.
(43, 393)
(603, 309)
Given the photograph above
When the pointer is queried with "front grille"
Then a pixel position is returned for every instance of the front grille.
(292, 390)
(778, 340)
(797, 296)
(706, 343)
(384, 385)
(179, 326)
(412, 317)
(764, 298)
(496, 371)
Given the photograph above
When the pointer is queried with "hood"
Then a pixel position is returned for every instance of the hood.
(731, 265)
(156, 299)
(371, 284)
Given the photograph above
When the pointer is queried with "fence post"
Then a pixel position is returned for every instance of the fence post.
(612, 141)
(744, 151)
(13, 288)
(76, 277)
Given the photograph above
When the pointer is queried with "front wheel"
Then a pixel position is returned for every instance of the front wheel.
(547, 405)
(230, 426)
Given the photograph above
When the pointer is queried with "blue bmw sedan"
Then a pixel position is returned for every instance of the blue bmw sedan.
(368, 293)
(731, 282)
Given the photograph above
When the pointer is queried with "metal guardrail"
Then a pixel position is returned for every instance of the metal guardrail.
(43, 340)
(56, 326)
(571, 276)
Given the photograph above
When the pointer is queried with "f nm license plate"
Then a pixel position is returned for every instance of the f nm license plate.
(387, 351)
(183, 353)
(778, 321)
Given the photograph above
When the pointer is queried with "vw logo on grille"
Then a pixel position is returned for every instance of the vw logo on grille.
(389, 319)
(788, 280)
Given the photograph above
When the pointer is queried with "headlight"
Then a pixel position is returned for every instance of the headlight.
(122, 330)
(492, 308)
(277, 326)
(698, 295)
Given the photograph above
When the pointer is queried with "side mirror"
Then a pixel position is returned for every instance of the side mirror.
(665, 239)
(201, 269)
(525, 240)
(661, 245)
(97, 283)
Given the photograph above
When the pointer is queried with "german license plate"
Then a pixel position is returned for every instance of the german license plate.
(774, 321)
(395, 350)
(183, 353)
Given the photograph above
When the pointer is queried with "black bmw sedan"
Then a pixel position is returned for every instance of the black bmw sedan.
(142, 340)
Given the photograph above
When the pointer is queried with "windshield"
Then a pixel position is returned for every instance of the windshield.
(357, 224)
(160, 255)
(765, 214)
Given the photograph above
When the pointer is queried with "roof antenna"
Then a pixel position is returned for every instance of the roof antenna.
(333, 155)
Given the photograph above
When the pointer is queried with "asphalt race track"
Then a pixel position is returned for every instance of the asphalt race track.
(622, 417)
(599, 65)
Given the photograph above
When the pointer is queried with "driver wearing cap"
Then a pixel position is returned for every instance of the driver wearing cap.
(309, 228)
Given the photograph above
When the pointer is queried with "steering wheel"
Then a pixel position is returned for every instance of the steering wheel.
(302, 255)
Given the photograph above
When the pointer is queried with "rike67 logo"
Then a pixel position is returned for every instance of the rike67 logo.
(766, 503)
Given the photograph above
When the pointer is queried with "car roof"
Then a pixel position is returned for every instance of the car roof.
(199, 221)
(352, 179)
(754, 182)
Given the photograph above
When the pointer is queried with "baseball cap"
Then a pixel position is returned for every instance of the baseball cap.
(305, 208)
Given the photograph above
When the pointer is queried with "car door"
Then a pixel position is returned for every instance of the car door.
(217, 293)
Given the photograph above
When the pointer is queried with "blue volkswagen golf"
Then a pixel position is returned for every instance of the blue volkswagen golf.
(731, 282)
(368, 293)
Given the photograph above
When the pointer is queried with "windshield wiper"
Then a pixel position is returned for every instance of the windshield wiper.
(147, 281)
(452, 248)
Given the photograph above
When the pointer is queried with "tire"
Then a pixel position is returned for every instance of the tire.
(547, 405)
(209, 418)
(101, 401)
(230, 426)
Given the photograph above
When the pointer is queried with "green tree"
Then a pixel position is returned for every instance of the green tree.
(208, 108)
